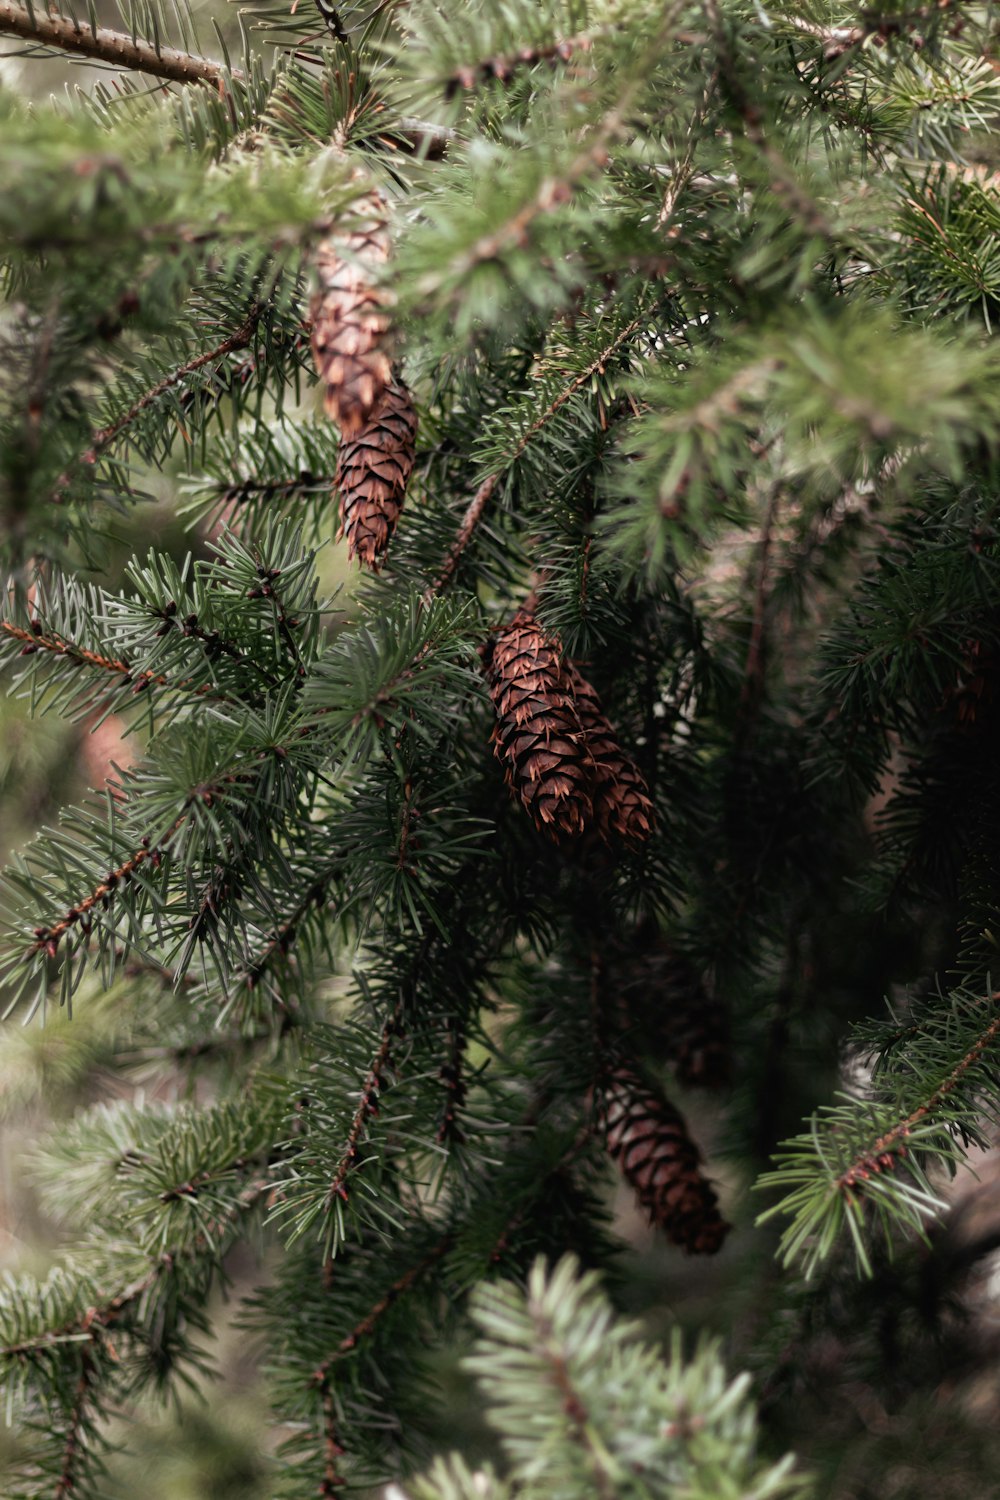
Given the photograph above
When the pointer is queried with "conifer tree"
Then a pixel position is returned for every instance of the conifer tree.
(642, 356)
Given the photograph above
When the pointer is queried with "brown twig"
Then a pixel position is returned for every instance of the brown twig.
(115, 47)
(481, 499)
(366, 1325)
(450, 1074)
(891, 1147)
(367, 1107)
(102, 439)
(48, 937)
(502, 68)
(73, 1448)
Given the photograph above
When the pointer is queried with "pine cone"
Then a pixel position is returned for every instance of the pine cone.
(661, 994)
(621, 798)
(373, 470)
(649, 1140)
(559, 752)
(349, 326)
(538, 736)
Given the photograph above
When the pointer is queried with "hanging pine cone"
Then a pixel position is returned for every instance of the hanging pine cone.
(349, 323)
(661, 997)
(649, 1140)
(621, 799)
(559, 753)
(373, 470)
(538, 737)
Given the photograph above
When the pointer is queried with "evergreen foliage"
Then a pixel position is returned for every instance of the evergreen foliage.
(660, 342)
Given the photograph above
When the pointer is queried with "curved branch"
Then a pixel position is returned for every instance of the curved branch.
(114, 47)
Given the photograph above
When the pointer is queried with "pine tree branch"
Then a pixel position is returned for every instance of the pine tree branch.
(367, 1325)
(577, 1414)
(48, 937)
(840, 40)
(73, 1449)
(367, 1106)
(103, 438)
(503, 67)
(479, 502)
(36, 640)
(890, 1147)
(115, 47)
(96, 1320)
(284, 934)
(783, 184)
(466, 531)
(451, 1077)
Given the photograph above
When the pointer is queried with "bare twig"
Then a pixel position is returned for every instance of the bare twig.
(114, 47)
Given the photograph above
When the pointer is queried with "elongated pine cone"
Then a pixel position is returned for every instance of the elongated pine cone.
(621, 799)
(649, 1140)
(349, 321)
(559, 753)
(663, 998)
(373, 470)
(538, 736)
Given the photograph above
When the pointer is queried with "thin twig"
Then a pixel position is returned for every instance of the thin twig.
(367, 1106)
(481, 499)
(48, 937)
(889, 1147)
(105, 436)
(73, 1447)
(367, 1324)
(115, 47)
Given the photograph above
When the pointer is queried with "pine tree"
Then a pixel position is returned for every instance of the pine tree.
(564, 849)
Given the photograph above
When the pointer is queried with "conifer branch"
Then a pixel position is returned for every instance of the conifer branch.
(117, 48)
(839, 40)
(890, 1147)
(103, 438)
(367, 1106)
(480, 500)
(73, 1449)
(578, 1416)
(36, 640)
(454, 1084)
(48, 937)
(783, 184)
(284, 935)
(96, 1320)
(365, 1326)
(502, 68)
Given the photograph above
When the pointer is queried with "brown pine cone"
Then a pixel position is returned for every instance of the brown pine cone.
(649, 1140)
(349, 324)
(662, 998)
(538, 736)
(621, 798)
(559, 753)
(373, 470)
